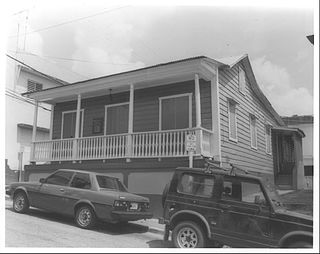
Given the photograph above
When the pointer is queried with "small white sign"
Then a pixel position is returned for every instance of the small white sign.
(191, 143)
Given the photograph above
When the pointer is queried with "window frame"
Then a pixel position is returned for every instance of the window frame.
(235, 104)
(62, 121)
(73, 177)
(192, 194)
(268, 125)
(171, 97)
(106, 114)
(64, 171)
(242, 81)
(253, 117)
(35, 85)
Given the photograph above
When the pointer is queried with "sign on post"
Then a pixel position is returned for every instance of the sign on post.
(191, 146)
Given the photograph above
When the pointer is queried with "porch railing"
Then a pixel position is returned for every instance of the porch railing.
(153, 144)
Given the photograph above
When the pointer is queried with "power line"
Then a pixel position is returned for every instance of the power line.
(17, 97)
(69, 59)
(70, 21)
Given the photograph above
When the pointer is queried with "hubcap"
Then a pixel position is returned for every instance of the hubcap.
(84, 217)
(19, 203)
(187, 238)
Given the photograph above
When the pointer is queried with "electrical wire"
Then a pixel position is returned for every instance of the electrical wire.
(70, 21)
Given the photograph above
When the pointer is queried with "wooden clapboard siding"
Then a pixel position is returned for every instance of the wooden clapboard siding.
(241, 153)
(146, 107)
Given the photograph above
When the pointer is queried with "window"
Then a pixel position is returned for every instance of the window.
(242, 80)
(81, 181)
(175, 112)
(231, 190)
(198, 185)
(253, 131)
(268, 138)
(33, 86)
(252, 193)
(232, 120)
(68, 125)
(117, 118)
(60, 178)
(110, 183)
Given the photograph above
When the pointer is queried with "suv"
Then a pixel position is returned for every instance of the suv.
(230, 209)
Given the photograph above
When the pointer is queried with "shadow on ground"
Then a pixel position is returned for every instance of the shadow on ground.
(101, 227)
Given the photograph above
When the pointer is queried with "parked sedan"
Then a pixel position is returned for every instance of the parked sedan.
(87, 196)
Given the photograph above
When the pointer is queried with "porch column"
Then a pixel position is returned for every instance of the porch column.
(51, 122)
(215, 111)
(130, 122)
(77, 130)
(34, 131)
(198, 103)
(298, 175)
(198, 114)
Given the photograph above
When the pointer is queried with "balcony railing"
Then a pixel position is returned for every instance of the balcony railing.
(153, 144)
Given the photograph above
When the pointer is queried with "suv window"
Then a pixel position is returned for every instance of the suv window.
(81, 181)
(252, 193)
(60, 178)
(198, 185)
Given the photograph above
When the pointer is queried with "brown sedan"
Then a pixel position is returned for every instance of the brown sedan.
(87, 196)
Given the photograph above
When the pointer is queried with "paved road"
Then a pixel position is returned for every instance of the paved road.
(42, 229)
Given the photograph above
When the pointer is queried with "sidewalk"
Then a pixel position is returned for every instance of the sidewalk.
(152, 224)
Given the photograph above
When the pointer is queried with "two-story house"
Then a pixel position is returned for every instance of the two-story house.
(20, 110)
(136, 125)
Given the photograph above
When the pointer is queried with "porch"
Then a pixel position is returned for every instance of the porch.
(152, 144)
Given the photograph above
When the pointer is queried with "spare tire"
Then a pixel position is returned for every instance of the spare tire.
(164, 193)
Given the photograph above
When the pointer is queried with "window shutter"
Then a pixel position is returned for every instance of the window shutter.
(33, 86)
(232, 121)
(242, 80)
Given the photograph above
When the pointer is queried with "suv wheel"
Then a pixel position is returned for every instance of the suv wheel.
(300, 244)
(188, 234)
(20, 202)
(85, 217)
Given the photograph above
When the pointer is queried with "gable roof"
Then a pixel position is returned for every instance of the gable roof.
(227, 62)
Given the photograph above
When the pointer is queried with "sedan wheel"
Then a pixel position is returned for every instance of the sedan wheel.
(188, 235)
(85, 217)
(20, 203)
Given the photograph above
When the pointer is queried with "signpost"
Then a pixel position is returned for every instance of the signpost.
(191, 146)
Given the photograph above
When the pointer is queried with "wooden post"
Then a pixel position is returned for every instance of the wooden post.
(130, 123)
(198, 102)
(77, 129)
(51, 122)
(198, 112)
(34, 131)
(215, 110)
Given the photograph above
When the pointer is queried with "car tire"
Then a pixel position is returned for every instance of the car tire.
(85, 217)
(20, 202)
(300, 244)
(188, 234)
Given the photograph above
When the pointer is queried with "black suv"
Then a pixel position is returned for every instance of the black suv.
(214, 205)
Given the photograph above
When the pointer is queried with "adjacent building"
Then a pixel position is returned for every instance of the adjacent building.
(142, 124)
(304, 123)
(20, 111)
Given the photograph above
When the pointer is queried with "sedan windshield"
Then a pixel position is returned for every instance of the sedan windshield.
(110, 183)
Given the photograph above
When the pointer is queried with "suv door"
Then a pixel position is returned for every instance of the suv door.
(51, 193)
(245, 218)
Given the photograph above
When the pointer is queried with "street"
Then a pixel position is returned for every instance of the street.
(39, 228)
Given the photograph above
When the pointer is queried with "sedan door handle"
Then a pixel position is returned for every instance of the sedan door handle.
(62, 190)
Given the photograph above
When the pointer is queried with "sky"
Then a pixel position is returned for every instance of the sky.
(78, 40)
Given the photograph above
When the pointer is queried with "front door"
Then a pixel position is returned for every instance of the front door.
(68, 127)
(117, 118)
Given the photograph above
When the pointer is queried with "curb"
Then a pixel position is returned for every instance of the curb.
(155, 230)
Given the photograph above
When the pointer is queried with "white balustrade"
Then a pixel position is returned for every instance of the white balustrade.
(153, 144)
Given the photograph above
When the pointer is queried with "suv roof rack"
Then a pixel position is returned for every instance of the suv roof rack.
(210, 166)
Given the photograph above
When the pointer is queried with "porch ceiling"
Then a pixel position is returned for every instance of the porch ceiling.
(143, 78)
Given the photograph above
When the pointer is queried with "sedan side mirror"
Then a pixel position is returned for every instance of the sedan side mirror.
(42, 180)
